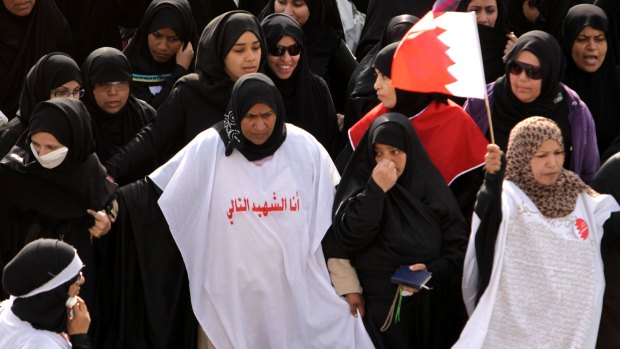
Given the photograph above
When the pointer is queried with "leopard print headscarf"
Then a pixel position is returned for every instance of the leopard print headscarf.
(553, 201)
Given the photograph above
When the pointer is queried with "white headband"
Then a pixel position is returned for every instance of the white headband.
(65, 275)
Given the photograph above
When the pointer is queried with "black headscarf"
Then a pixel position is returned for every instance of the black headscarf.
(248, 91)
(51, 71)
(379, 12)
(36, 264)
(80, 176)
(306, 98)
(111, 132)
(552, 12)
(407, 102)
(411, 227)
(600, 89)
(174, 14)
(217, 39)
(24, 40)
(492, 41)
(507, 110)
(322, 32)
(362, 97)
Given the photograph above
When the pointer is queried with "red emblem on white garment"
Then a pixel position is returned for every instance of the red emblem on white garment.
(581, 229)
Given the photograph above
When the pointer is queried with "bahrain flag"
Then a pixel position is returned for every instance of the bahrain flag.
(441, 53)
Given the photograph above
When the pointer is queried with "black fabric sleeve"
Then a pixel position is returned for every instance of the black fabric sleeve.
(341, 68)
(465, 188)
(358, 223)
(453, 247)
(148, 148)
(606, 181)
(489, 209)
(9, 135)
(80, 341)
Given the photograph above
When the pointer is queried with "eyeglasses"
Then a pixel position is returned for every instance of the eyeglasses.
(107, 86)
(278, 50)
(65, 92)
(532, 72)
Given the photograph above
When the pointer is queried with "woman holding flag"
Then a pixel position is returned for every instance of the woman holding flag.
(531, 86)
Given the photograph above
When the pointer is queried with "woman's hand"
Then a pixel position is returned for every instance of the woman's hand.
(385, 174)
(184, 56)
(493, 158)
(410, 290)
(512, 39)
(530, 11)
(102, 225)
(78, 318)
(356, 303)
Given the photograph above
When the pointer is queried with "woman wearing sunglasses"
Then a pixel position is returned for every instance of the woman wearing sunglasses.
(306, 96)
(327, 53)
(531, 87)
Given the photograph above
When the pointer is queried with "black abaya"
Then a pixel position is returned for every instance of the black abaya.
(24, 40)
(416, 221)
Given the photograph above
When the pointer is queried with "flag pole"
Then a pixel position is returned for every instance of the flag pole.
(486, 104)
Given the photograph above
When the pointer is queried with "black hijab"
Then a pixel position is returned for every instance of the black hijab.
(552, 12)
(248, 91)
(322, 32)
(507, 110)
(217, 39)
(174, 14)
(51, 71)
(599, 89)
(407, 102)
(379, 12)
(24, 40)
(81, 177)
(36, 264)
(492, 41)
(306, 97)
(362, 95)
(411, 229)
(111, 132)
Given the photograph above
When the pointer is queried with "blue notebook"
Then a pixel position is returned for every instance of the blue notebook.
(415, 279)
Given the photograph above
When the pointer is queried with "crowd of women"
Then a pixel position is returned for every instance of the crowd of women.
(235, 174)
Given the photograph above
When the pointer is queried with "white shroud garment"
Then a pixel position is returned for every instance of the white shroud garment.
(250, 236)
(547, 283)
(18, 334)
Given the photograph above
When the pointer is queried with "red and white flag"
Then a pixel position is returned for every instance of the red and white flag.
(441, 53)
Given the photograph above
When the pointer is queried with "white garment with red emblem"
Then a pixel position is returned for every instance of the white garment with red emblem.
(547, 283)
(250, 236)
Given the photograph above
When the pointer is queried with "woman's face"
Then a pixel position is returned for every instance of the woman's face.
(284, 65)
(70, 89)
(523, 86)
(19, 8)
(163, 44)
(244, 57)
(589, 49)
(486, 11)
(111, 97)
(45, 142)
(258, 123)
(393, 154)
(547, 162)
(385, 91)
(74, 289)
(297, 9)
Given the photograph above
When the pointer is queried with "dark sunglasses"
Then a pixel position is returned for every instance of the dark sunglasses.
(532, 72)
(278, 50)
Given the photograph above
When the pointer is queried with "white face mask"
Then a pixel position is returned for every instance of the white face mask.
(51, 159)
